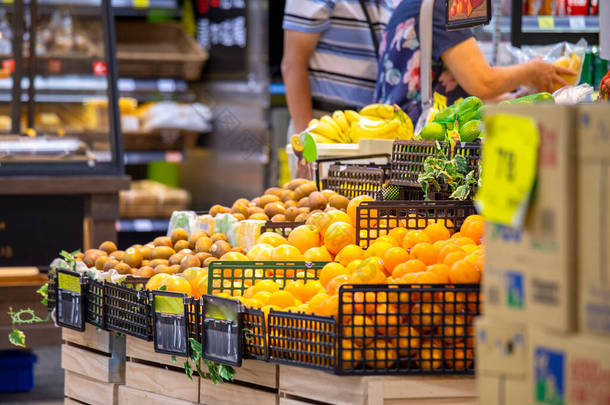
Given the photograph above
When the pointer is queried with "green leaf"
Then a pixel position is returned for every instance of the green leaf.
(17, 338)
(163, 288)
(199, 371)
(44, 292)
(188, 370)
(174, 359)
(310, 151)
(461, 164)
(196, 349)
(226, 372)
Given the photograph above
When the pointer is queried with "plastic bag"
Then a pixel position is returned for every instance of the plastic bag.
(205, 223)
(573, 94)
(223, 223)
(193, 117)
(182, 219)
(245, 233)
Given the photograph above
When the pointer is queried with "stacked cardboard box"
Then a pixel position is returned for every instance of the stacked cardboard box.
(547, 285)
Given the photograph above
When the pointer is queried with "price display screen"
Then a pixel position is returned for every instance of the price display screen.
(467, 13)
(70, 300)
(170, 333)
(222, 330)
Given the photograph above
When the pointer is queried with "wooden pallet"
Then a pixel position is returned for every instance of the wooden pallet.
(94, 363)
(300, 386)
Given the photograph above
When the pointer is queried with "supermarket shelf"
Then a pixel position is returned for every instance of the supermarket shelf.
(134, 4)
(549, 24)
(142, 225)
(143, 157)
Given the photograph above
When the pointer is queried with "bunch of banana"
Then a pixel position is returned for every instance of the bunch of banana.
(380, 121)
(329, 129)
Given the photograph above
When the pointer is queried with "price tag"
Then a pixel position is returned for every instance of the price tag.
(509, 168)
(70, 300)
(222, 330)
(140, 3)
(577, 22)
(546, 22)
(170, 333)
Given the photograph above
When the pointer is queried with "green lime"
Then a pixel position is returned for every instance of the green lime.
(471, 103)
(467, 116)
(470, 131)
(446, 115)
(479, 114)
(433, 132)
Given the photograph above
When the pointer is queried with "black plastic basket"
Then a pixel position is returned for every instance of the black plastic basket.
(408, 158)
(354, 179)
(302, 340)
(194, 319)
(255, 334)
(127, 308)
(283, 228)
(377, 218)
(94, 305)
(52, 290)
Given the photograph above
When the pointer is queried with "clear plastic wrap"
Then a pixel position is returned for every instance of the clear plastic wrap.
(245, 233)
(573, 94)
(182, 219)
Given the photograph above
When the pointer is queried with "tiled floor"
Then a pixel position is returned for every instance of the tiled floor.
(48, 381)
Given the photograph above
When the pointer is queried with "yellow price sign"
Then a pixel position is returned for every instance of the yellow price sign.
(510, 162)
(140, 3)
(546, 22)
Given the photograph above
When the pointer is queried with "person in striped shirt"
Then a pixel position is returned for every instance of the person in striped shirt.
(330, 55)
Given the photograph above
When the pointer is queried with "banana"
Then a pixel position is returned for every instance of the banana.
(385, 130)
(331, 122)
(384, 111)
(352, 116)
(406, 125)
(313, 123)
(327, 130)
(321, 138)
(340, 119)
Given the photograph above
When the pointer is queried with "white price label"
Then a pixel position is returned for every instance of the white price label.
(577, 22)
(166, 85)
(143, 225)
(173, 156)
(128, 85)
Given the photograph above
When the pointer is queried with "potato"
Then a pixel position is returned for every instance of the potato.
(157, 262)
(218, 236)
(219, 248)
(209, 260)
(260, 216)
(176, 258)
(219, 209)
(240, 209)
(162, 252)
(328, 193)
(293, 184)
(240, 202)
(163, 241)
(146, 252)
(123, 268)
(179, 234)
(181, 245)
(145, 271)
(286, 195)
(91, 256)
(317, 200)
(304, 190)
(338, 201)
(202, 256)
(291, 203)
(189, 261)
(278, 218)
(274, 209)
(108, 247)
(304, 202)
(276, 191)
(203, 244)
(194, 237)
(302, 217)
(267, 199)
(110, 264)
(101, 261)
(291, 213)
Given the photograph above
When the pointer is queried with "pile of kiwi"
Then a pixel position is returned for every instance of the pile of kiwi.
(171, 255)
(295, 201)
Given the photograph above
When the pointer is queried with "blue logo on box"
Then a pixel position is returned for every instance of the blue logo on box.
(515, 295)
(549, 376)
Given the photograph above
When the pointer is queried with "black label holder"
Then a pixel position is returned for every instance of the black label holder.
(170, 326)
(71, 298)
(222, 337)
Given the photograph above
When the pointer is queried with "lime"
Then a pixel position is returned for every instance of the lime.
(467, 116)
(470, 131)
(446, 115)
(479, 114)
(469, 104)
(433, 132)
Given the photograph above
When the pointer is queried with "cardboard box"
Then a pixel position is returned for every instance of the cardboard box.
(500, 348)
(570, 369)
(594, 218)
(530, 274)
(502, 390)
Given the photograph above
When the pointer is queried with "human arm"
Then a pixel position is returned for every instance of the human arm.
(298, 48)
(469, 67)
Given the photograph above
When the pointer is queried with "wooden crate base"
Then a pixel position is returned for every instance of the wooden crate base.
(132, 396)
(235, 394)
(89, 391)
(301, 385)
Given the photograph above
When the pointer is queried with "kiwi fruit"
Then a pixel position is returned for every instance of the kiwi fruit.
(79, 256)
(219, 248)
(304, 210)
(189, 261)
(304, 202)
(137, 246)
(202, 256)
(261, 216)
(179, 234)
(240, 209)
(133, 257)
(218, 236)
(162, 268)
(101, 261)
(278, 218)
(255, 210)
(291, 203)
(240, 202)
(186, 252)
(162, 252)
(293, 184)
(238, 216)
(157, 262)
(219, 209)
(338, 201)
(175, 269)
(203, 244)
(108, 247)
(123, 268)
(304, 190)
(330, 208)
(146, 252)
(276, 191)
(145, 271)
(91, 256)
(194, 237)
(238, 250)
(302, 217)
(163, 241)
(145, 262)
(275, 208)
(317, 200)
(267, 199)
(175, 258)
(254, 202)
(110, 264)
(181, 245)
(286, 195)
(209, 260)
(291, 213)
(328, 193)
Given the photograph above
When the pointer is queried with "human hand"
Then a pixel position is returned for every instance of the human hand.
(545, 76)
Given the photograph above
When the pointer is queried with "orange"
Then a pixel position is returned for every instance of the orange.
(455, 325)
(155, 281)
(380, 355)
(471, 218)
(263, 297)
(437, 231)
(412, 238)
(459, 358)
(348, 254)
(431, 355)
(201, 287)
(260, 252)
(332, 288)
(444, 221)
(378, 249)
(305, 237)
(464, 272)
(177, 284)
(471, 248)
(365, 302)
(370, 271)
(315, 304)
(387, 239)
(442, 270)
(425, 252)
(398, 234)
(361, 329)
(453, 257)
(265, 285)
(473, 229)
(428, 277)
(267, 308)
(353, 205)
(252, 303)
(351, 355)
(330, 306)
(456, 235)
(408, 340)
(409, 278)
(271, 238)
(310, 289)
(393, 257)
(446, 250)
(330, 271)
(295, 288)
(338, 235)
(338, 216)
(386, 319)
(439, 244)
(461, 241)
(286, 253)
(320, 220)
(353, 265)
(249, 293)
(410, 266)
(282, 299)
(426, 316)
(414, 223)
(234, 256)
(317, 254)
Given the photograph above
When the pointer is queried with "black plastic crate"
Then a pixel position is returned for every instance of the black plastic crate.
(52, 290)
(407, 329)
(194, 319)
(377, 218)
(408, 158)
(255, 334)
(353, 180)
(127, 308)
(304, 340)
(94, 305)
(283, 228)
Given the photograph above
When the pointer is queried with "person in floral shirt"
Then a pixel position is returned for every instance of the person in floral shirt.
(458, 66)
